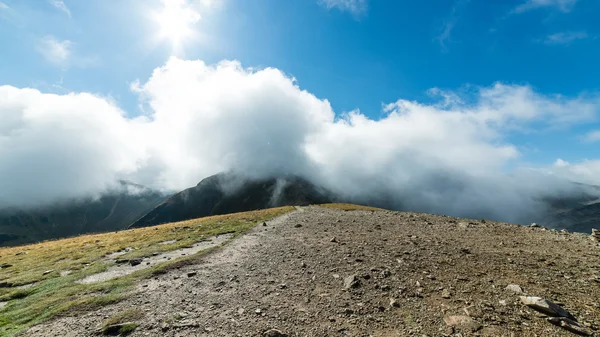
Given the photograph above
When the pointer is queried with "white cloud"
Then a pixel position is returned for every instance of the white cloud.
(60, 5)
(3, 5)
(586, 171)
(561, 5)
(565, 38)
(55, 51)
(56, 147)
(450, 23)
(592, 136)
(356, 7)
(449, 157)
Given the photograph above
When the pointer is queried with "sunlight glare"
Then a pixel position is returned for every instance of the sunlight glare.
(175, 21)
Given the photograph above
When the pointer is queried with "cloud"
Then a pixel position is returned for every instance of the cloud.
(60, 53)
(587, 171)
(60, 5)
(592, 136)
(450, 23)
(55, 51)
(565, 38)
(355, 7)
(57, 147)
(564, 6)
(449, 157)
(3, 5)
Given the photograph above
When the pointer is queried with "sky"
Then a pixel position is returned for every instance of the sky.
(446, 97)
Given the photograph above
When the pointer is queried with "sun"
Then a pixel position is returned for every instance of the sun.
(175, 21)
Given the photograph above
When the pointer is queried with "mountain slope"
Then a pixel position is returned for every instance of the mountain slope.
(227, 193)
(320, 271)
(114, 211)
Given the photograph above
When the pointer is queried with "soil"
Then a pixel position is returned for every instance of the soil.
(326, 272)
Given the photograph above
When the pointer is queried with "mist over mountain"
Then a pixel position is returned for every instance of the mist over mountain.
(230, 193)
(451, 155)
(115, 210)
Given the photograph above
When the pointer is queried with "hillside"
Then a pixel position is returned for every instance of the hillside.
(40, 281)
(332, 270)
(226, 193)
(113, 211)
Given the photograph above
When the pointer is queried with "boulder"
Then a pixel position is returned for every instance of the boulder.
(570, 325)
(463, 322)
(274, 333)
(351, 282)
(546, 307)
(515, 288)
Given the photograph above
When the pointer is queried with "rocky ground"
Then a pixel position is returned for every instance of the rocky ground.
(326, 272)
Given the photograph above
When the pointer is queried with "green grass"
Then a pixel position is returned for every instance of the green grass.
(52, 295)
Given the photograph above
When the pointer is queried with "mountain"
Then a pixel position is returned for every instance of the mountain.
(579, 212)
(113, 211)
(578, 219)
(229, 193)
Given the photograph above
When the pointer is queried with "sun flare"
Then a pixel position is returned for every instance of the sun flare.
(175, 21)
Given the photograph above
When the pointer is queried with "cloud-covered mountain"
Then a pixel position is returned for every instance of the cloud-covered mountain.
(230, 193)
(115, 210)
(451, 155)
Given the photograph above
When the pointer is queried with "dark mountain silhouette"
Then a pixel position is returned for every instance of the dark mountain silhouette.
(579, 212)
(229, 193)
(113, 211)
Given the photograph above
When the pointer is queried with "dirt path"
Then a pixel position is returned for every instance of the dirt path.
(414, 274)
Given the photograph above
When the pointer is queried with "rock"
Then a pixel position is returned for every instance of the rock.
(5, 265)
(394, 303)
(351, 282)
(463, 322)
(570, 325)
(445, 293)
(534, 225)
(515, 288)
(333, 239)
(135, 262)
(6, 284)
(546, 307)
(191, 274)
(303, 264)
(47, 272)
(297, 225)
(596, 233)
(264, 224)
(21, 253)
(274, 333)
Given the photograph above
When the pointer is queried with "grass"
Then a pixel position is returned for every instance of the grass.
(352, 207)
(125, 320)
(51, 295)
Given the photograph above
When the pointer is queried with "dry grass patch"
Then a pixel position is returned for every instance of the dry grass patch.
(41, 266)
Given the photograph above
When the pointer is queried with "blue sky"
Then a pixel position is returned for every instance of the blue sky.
(389, 49)
(521, 76)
